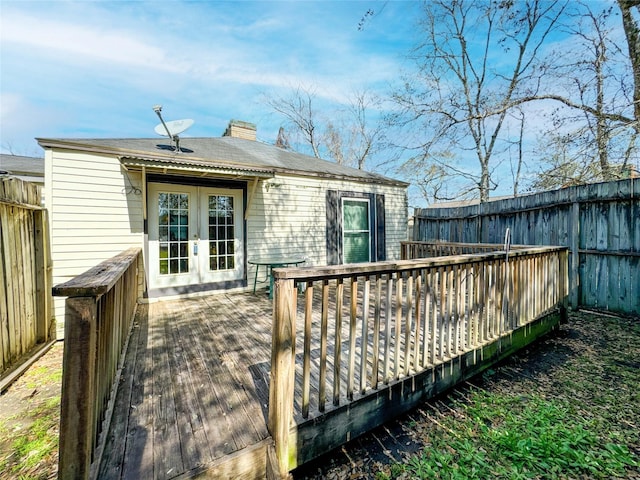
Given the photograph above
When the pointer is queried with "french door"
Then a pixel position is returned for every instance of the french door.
(195, 235)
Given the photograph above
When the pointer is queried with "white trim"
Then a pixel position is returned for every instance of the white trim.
(198, 238)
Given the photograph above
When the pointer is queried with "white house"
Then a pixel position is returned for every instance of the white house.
(203, 212)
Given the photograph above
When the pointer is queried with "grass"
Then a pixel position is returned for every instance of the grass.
(578, 419)
(518, 437)
(566, 407)
(43, 374)
(34, 445)
(29, 420)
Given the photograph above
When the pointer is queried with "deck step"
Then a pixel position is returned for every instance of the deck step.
(250, 463)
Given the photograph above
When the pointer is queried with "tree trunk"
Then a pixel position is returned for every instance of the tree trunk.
(632, 32)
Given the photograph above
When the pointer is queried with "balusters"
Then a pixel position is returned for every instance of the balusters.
(324, 323)
(306, 366)
(337, 341)
(433, 296)
(407, 326)
(364, 336)
(398, 328)
(417, 364)
(387, 330)
(376, 332)
(353, 311)
(402, 322)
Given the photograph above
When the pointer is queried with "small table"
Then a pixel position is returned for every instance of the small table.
(271, 263)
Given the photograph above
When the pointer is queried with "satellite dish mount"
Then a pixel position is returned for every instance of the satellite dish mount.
(171, 129)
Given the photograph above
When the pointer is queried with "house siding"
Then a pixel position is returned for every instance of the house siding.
(95, 212)
(288, 217)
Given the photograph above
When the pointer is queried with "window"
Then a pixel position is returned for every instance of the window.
(356, 240)
(355, 227)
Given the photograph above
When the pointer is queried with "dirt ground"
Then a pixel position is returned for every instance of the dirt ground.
(574, 362)
(29, 406)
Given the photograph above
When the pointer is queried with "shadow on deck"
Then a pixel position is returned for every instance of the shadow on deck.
(192, 398)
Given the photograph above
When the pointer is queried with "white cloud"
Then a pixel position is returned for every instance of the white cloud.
(75, 44)
(82, 65)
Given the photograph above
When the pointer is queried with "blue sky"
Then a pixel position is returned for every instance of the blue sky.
(95, 69)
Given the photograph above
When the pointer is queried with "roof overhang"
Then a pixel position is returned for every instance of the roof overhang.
(193, 168)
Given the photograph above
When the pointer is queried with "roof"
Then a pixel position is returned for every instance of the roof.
(252, 158)
(30, 169)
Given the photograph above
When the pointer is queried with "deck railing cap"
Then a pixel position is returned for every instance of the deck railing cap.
(375, 268)
(98, 280)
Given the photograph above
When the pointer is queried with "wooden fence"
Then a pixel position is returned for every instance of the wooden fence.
(368, 338)
(599, 223)
(26, 322)
(98, 318)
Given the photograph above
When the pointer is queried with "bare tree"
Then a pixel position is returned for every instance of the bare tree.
(477, 61)
(345, 135)
(562, 168)
(632, 32)
(353, 137)
(298, 110)
(432, 180)
(516, 171)
(591, 76)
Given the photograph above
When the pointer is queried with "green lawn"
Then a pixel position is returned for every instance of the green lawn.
(567, 407)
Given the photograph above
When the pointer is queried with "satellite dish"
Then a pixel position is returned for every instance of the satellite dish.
(173, 128)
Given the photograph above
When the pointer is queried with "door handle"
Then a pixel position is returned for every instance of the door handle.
(195, 249)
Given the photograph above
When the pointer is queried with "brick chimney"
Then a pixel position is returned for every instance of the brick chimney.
(240, 129)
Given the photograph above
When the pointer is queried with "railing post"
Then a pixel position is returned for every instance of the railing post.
(78, 388)
(281, 383)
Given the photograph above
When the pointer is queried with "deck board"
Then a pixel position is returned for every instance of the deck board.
(167, 455)
(194, 388)
(193, 439)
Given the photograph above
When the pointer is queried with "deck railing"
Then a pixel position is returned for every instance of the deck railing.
(413, 249)
(99, 313)
(360, 329)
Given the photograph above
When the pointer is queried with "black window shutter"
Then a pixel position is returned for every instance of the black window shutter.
(334, 228)
(381, 245)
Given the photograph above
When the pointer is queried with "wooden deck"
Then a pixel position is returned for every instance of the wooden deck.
(360, 344)
(192, 399)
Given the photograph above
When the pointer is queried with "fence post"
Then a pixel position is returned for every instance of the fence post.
(281, 383)
(574, 245)
(78, 388)
(43, 277)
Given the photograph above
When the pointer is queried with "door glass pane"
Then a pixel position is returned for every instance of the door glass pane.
(221, 232)
(355, 224)
(173, 232)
